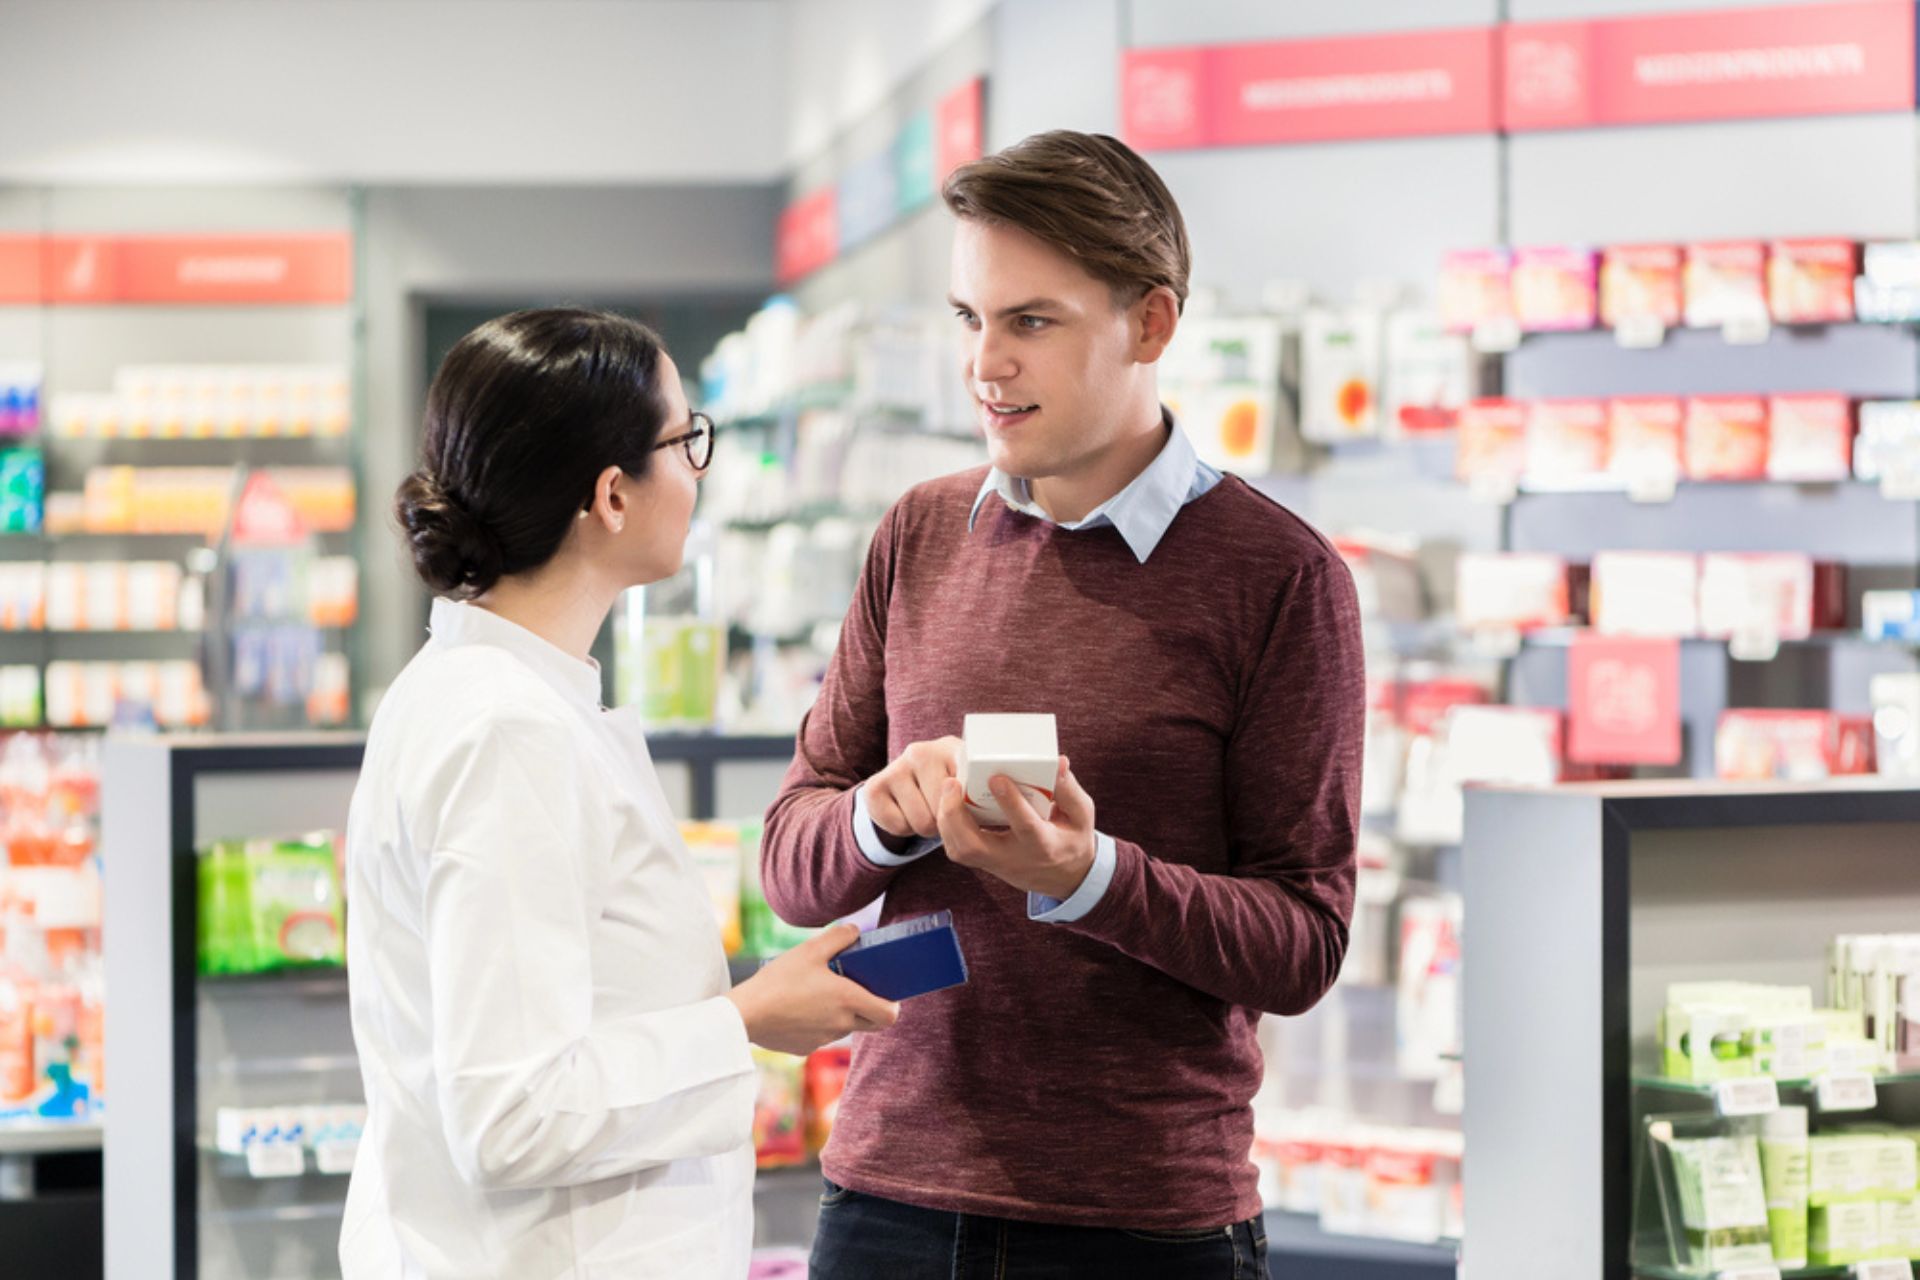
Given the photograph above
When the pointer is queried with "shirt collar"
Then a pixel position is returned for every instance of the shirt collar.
(1142, 512)
(455, 623)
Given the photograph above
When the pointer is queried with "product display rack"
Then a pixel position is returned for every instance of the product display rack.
(1851, 522)
(1584, 902)
(81, 340)
(180, 1045)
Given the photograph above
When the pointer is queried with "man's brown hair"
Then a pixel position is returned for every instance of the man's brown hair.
(1089, 196)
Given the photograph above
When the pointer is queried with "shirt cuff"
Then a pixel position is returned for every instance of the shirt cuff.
(867, 836)
(1053, 911)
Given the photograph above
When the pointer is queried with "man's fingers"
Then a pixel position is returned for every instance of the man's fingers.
(914, 807)
(1070, 798)
(1013, 803)
(958, 831)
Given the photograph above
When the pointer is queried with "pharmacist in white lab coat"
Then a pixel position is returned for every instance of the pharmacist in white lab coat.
(557, 1075)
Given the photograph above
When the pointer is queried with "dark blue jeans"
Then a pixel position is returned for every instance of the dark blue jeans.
(863, 1237)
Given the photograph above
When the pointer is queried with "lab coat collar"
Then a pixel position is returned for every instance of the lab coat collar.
(455, 623)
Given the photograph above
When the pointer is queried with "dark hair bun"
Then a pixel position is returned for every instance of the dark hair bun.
(453, 553)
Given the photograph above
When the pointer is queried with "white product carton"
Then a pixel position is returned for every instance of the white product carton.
(1025, 748)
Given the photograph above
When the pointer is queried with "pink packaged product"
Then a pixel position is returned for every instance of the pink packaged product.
(1646, 593)
(1641, 282)
(1785, 595)
(1754, 745)
(1727, 438)
(1498, 590)
(1492, 441)
(1566, 444)
(1770, 594)
(1725, 281)
(1476, 286)
(1809, 438)
(1644, 437)
(1556, 288)
(1811, 281)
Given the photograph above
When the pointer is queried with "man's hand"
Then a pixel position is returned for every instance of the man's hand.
(903, 799)
(1050, 857)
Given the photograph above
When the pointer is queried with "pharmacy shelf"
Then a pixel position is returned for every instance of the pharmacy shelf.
(318, 979)
(1563, 637)
(1663, 1084)
(48, 1137)
(1648, 884)
(1653, 1271)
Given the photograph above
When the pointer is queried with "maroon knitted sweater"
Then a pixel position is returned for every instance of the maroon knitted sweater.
(1095, 1073)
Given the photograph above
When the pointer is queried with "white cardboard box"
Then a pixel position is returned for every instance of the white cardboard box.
(1026, 748)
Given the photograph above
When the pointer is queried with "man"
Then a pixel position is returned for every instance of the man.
(1082, 1106)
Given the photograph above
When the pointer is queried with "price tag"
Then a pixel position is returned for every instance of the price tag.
(1653, 487)
(275, 1160)
(1639, 333)
(1450, 1090)
(1495, 490)
(1749, 1273)
(335, 1157)
(1757, 1096)
(1497, 337)
(1497, 642)
(1754, 644)
(1883, 1269)
(1748, 331)
(1849, 1092)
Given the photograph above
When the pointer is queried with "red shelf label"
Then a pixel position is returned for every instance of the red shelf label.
(1791, 60)
(1379, 86)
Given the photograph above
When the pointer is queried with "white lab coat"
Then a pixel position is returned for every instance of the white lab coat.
(556, 1084)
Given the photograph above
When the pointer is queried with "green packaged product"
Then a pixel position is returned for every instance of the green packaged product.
(1784, 1169)
(296, 908)
(763, 933)
(226, 922)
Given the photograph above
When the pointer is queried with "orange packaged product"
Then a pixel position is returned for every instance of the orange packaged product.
(1644, 437)
(1492, 443)
(1727, 438)
(16, 1041)
(1811, 281)
(1566, 444)
(1726, 283)
(1641, 282)
(1809, 438)
(826, 1080)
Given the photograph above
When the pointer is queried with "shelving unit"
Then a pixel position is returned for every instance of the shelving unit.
(179, 1046)
(1583, 903)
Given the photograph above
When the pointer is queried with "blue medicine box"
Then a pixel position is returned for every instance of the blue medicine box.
(905, 959)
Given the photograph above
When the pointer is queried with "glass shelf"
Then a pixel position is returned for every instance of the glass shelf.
(1698, 1090)
(1649, 1272)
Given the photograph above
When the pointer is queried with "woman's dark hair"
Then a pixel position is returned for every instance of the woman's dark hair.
(523, 416)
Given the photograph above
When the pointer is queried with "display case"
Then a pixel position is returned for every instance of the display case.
(188, 1049)
(1588, 907)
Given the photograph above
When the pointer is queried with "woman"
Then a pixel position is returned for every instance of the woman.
(557, 1075)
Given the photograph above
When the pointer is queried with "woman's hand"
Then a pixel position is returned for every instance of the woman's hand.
(796, 1004)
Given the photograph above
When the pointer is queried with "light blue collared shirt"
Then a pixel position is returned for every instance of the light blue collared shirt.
(1142, 513)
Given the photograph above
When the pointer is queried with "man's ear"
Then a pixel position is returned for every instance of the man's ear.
(1155, 317)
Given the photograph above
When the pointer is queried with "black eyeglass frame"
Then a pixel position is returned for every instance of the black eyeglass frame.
(703, 429)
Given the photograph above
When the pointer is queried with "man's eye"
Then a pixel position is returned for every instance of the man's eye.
(1033, 323)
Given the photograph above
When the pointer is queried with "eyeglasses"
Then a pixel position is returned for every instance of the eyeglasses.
(697, 442)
